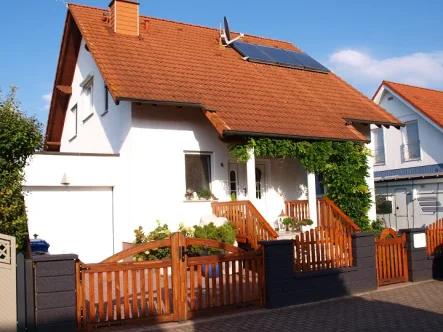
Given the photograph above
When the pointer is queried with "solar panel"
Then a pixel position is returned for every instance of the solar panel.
(280, 56)
(252, 52)
(307, 61)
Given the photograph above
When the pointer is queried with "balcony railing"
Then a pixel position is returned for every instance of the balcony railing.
(411, 151)
(379, 156)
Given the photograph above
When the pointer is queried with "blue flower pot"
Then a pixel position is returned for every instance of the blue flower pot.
(217, 271)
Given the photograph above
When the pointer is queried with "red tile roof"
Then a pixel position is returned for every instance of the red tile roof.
(427, 101)
(178, 62)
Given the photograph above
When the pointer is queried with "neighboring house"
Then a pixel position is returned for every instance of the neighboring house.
(144, 109)
(409, 163)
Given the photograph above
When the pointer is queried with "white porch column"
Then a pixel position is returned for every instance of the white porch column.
(372, 215)
(250, 175)
(312, 199)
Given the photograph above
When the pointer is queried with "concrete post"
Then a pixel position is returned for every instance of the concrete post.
(419, 264)
(312, 199)
(55, 292)
(250, 175)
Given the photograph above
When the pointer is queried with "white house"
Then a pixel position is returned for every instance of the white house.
(144, 108)
(409, 163)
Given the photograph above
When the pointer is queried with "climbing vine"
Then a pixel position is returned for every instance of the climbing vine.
(343, 165)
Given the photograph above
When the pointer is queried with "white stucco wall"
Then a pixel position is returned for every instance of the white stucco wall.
(160, 136)
(77, 217)
(102, 132)
(431, 138)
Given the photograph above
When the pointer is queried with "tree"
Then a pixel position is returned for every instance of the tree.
(20, 137)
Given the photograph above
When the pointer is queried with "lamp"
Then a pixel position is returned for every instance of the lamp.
(280, 219)
(65, 180)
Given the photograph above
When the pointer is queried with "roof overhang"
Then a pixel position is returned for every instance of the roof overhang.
(377, 123)
(408, 177)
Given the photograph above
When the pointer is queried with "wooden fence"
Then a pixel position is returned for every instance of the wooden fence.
(118, 292)
(434, 238)
(251, 226)
(322, 248)
(328, 214)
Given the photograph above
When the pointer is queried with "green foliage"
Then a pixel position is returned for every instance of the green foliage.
(204, 193)
(159, 233)
(344, 167)
(287, 221)
(233, 197)
(225, 233)
(20, 137)
(306, 222)
(378, 226)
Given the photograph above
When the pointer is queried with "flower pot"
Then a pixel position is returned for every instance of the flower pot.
(216, 272)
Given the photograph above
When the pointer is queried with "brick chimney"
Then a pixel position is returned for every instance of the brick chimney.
(124, 17)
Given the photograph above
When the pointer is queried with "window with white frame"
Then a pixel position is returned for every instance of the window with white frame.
(233, 183)
(87, 97)
(411, 141)
(379, 146)
(73, 121)
(198, 171)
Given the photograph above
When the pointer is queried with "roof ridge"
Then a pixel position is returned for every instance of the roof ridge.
(189, 24)
(411, 86)
(216, 29)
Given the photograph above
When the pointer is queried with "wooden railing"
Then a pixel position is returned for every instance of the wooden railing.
(328, 214)
(250, 224)
(322, 248)
(434, 238)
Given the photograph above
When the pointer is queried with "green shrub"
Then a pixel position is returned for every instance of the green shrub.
(225, 233)
(159, 233)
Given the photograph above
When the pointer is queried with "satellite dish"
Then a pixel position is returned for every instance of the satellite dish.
(227, 31)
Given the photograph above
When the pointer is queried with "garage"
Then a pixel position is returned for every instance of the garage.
(75, 220)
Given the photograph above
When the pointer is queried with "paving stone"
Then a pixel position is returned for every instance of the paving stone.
(411, 307)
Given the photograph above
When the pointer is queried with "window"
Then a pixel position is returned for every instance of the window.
(106, 99)
(319, 188)
(73, 121)
(379, 146)
(87, 97)
(233, 182)
(198, 171)
(258, 184)
(411, 142)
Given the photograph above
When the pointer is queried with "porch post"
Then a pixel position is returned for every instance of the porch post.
(250, 175)
(312, 199)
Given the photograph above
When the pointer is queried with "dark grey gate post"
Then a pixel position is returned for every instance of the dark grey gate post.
(55, 293)
(419, 265)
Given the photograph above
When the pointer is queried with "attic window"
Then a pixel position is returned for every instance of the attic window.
(390, 98)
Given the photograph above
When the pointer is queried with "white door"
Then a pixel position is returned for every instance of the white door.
(401, 208)
(72, 220)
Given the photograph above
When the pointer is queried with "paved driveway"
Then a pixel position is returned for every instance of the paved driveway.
(409, 307)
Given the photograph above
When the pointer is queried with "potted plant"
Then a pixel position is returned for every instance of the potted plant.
(204, 194)
(306, 222)
(189, 195)
(287, 222)
(233, 197)
(295, 225)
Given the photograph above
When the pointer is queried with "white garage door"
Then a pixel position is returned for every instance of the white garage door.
(72, 220)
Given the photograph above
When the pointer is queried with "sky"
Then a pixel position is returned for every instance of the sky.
(364, 42)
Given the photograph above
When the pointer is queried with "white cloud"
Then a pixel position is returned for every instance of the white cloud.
(47, 98)
(366, 72)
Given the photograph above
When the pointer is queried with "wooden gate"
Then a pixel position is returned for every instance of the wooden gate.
(392, 259)
(115, 292)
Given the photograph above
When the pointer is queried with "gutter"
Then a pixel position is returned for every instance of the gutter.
(408, 177)
(275, 135)
(166, 103)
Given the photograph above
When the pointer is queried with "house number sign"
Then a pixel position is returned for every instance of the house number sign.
(420, 240)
